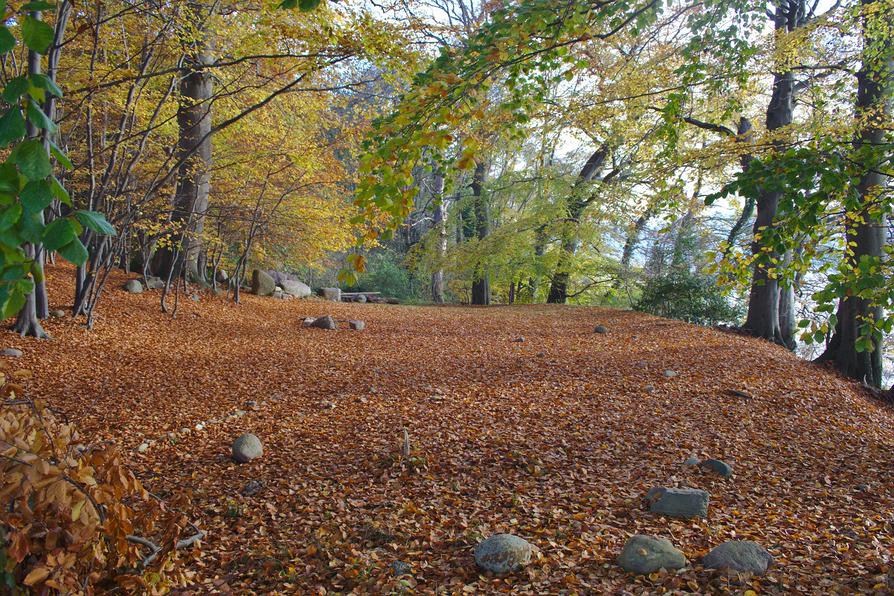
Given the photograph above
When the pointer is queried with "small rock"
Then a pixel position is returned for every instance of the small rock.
(134, 286)
(184, 431)
(143, 448)
(246, 448)
(863, 487)
(11, 352)
(239, 413)
(324, 322)
(400, 568)
(357, 325)
(251, 488)
(600, 329)
(57, 313)
(200, 426)
(692, 461)
(360, 298)
(252, 405)
(678, 502)
(670, 374)
(646, 554)
(650, 388)
(739, 555)
(333, 294)
(519, 339)
(718, 467)
(541, 354)
(328, 405)
(195, 298)
(154, 283)
(503, 553)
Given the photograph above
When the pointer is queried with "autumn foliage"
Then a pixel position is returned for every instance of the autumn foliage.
(69, 511)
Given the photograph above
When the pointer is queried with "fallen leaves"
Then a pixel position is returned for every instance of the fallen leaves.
(555, 439)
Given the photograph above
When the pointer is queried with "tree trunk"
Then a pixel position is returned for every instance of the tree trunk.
(866, 223)
(481, 276)
(763, 300)
(440, 225)
(194, 153)
(558, 290)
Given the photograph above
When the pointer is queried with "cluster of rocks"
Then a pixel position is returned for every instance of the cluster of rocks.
(329, 323)
(265, 284)
(648, 554)
(135, 286)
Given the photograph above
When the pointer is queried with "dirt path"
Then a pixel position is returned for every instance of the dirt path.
(556, 439)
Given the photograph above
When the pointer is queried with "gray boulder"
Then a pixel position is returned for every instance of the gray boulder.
(246, 448)
(646, 554)
(324, 322)
(134, 286)
(600, 329)
(154, 283)
(718, 467)
(222, 276)
(11, 352)
(739, 555)
(357, 325)
(57, 313)
(333, 294)
(295, 288)
(678, 502)
(503, 553)
(361, 298)
(261, 283)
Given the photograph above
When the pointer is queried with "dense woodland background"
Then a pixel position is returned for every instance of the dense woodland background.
(721, 163)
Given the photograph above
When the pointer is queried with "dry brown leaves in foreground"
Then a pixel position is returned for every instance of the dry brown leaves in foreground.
(555, 438)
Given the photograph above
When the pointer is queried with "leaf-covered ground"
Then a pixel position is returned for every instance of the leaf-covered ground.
(555, 438)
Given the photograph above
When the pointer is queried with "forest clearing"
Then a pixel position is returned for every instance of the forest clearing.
(556, 439)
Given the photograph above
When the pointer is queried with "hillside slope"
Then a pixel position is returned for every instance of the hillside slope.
(556, 438)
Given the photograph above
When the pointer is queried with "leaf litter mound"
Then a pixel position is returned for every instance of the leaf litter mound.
(555, 438)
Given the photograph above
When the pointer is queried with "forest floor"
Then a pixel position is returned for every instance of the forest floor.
(555, 438)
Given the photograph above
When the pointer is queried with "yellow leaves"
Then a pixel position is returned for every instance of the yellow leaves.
(36, 576)
(50, 506)
(76, 510)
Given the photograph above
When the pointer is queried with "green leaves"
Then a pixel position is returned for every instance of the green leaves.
(32, 160)
(59, 233)
(37, 35)
(74, 252)
(96, 222)
(7, 41)
(36, 196)
(27, 186)
(12, 126)
(302, 5)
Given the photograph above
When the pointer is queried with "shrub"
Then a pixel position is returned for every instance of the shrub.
(689, 297)
(68, 512)
(385, 274)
